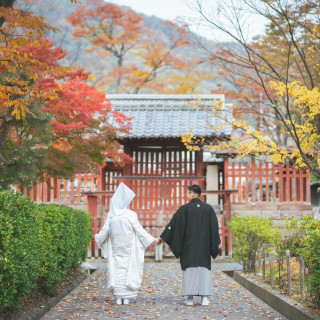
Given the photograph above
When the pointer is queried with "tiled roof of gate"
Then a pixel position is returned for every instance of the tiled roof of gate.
(167, 115)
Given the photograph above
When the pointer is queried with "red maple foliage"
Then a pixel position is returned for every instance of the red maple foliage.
(82, 128)
(35, 88)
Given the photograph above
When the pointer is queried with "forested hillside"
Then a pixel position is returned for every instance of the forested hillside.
(173, 77)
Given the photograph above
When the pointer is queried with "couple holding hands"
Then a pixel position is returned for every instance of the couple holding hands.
(192, 234)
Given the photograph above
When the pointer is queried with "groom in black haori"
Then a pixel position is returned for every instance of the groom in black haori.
(193, 235)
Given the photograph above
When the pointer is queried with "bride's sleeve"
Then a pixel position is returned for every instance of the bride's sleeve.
(145, 238)
(103, 235)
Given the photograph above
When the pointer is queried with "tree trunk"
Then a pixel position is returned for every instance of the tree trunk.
(120, 63)
(6, 4)
(4, 131)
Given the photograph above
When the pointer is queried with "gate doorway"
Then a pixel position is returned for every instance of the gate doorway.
(159, 178)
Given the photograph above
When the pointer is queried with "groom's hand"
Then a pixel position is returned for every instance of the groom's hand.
(158, 241)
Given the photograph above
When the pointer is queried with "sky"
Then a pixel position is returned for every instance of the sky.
(181, 9)
(165, 9)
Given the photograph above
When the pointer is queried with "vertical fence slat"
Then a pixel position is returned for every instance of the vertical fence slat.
(271, 270)
(247, 182)
(267, 183)
(72, 192)
(32, 193)
(85, 185)
(92, 185)
(308, 194)
(38, 192)
(263, 262)
(288, 184)
(280, 183)
(100, 176)
(65, 190)
(233, 179)
(274, 184)
(302, 279)
(44, 191)
(289, 272)
(78, 193)
(51, 190)
(146, 162)
(294, 183)
(239, 183)
(58, 190)
(301, 194)
(260, 182)
(226, 173)
(253, 182)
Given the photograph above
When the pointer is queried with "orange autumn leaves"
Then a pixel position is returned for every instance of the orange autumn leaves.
(32, 78)
(135, 57)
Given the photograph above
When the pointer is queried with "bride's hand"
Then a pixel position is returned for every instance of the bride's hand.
(157, 241)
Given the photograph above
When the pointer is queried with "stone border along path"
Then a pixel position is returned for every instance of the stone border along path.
(159, 298)
(282, 303)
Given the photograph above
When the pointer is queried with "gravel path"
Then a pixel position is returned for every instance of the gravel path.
(159, 298)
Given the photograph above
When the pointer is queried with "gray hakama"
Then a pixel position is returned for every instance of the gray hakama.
(196, 282)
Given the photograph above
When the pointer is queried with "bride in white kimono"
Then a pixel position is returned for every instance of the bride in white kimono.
(123, 241)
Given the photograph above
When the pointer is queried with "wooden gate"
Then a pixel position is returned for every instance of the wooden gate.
(159, 179)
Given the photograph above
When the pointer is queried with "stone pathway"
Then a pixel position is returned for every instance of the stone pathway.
(159, 298)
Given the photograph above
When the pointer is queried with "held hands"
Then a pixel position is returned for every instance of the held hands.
(158, 241)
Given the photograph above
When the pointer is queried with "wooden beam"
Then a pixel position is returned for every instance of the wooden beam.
(175, 142)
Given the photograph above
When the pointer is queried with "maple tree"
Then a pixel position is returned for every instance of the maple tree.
(136, 54)
(187, 81)
(276, 76)
(20, 66)
(51, 121)
(83, 135)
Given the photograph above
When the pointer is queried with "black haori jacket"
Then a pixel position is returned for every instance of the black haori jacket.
(193, 234)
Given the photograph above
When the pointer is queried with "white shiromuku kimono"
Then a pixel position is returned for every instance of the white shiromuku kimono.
(123, 241)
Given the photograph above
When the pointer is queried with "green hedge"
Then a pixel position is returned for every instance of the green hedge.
(64, 235)
(19, 257)
(38, 245)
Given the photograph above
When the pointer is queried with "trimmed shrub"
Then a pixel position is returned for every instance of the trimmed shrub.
(64, 235)
(248, 233)
(19, 257)
(38, 245)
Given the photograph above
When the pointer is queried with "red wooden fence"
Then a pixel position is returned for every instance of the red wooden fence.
(160, 179)
(255, 182)
(66, 191)
(265, 182)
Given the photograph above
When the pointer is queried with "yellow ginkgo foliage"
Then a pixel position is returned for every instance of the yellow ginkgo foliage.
(301, 126)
